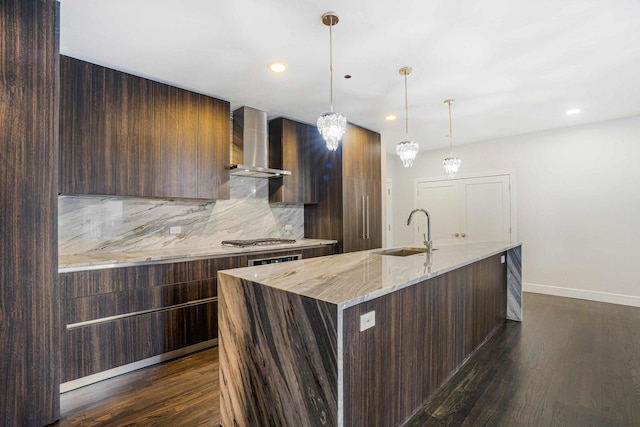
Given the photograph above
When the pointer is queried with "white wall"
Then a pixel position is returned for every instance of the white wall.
(578, 204)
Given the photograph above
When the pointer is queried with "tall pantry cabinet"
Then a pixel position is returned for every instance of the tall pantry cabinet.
(30, 329)
(349, 207)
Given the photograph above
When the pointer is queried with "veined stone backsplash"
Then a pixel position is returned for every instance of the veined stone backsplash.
(123, 224)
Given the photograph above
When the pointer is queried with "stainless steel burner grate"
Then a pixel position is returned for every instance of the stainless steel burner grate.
(256, 242)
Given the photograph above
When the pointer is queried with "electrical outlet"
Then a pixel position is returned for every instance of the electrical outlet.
(288, 227)
(367, 320)
(175, 229)
(502, 259)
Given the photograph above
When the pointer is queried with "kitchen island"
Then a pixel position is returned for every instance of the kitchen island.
(360, 338)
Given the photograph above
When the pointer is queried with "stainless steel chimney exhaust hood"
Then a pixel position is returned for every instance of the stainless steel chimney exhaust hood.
(250, 148)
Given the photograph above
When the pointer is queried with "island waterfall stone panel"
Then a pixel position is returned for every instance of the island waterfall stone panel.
(278, 350)
(292, 352)
(514, 284)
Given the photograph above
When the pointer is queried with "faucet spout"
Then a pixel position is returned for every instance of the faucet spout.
(427, 239)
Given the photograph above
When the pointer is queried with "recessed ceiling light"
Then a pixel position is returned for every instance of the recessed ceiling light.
(390, 117)
(277, 67)
(572, 111)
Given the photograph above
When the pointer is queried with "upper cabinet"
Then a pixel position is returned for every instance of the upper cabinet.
(361, 153)
(129, 136)
(290, 145)
(349, 207)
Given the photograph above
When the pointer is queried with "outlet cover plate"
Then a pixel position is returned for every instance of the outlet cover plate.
(367, 320)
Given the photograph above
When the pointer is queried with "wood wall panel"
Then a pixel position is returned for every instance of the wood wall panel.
(29, 298)
(423, 335)
(129, 136)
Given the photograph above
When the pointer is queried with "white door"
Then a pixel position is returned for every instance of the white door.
(440, 199)
(468, 208)
(487, 209)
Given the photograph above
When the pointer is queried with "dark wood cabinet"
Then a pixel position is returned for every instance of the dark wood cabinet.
(129, 136)
(118, 316)
(361, 153)
(291, 145)
(349, 207)
(29, 294)
(424, 333)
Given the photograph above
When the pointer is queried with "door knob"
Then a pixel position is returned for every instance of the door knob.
(456, 234)
(463, 234)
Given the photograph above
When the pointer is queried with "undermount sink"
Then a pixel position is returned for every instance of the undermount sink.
(402, 251)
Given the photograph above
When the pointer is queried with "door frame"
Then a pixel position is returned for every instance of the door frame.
(511, 173)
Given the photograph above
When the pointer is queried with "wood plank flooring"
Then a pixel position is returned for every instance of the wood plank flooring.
(570, 363)
(180, 392)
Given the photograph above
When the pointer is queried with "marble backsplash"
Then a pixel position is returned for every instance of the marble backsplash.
(106, 224)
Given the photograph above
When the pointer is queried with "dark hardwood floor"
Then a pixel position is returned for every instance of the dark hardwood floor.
(180, 392)
(570, 363)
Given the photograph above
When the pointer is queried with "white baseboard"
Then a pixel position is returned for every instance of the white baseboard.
(124, 369)
(630, 300)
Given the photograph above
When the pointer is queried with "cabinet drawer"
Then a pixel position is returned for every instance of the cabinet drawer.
(100, 306)
(96, 282)
(94, 348)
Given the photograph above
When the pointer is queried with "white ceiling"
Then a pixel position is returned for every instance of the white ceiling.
(513, 66)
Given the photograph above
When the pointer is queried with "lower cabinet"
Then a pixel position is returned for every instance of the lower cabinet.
(423, 335)
(118, 316)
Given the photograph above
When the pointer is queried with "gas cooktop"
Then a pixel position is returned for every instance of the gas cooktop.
(256, 242)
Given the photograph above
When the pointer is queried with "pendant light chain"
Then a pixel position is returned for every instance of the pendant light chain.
(406, 107)
(450, 131)
(331, 64)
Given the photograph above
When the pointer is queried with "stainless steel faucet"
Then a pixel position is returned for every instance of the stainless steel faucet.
(427, 238)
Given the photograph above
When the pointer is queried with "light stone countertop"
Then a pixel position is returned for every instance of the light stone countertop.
(99, 260)
(351, 278)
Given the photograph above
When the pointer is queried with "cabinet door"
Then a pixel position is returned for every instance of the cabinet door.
(361, 153)
(129, 136)
(135, 148)
(290, 149)
(213, 148)
(373, 204)
(88, 128)
(354, 215)
(174, 139)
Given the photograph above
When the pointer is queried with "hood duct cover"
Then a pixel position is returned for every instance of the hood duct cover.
(250, 148)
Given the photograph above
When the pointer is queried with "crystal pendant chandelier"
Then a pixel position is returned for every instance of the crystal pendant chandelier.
(407, 150)
(451, 164)
(331, 126)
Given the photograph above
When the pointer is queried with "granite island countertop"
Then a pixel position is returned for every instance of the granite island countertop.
(351, 278)
(98, 260)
